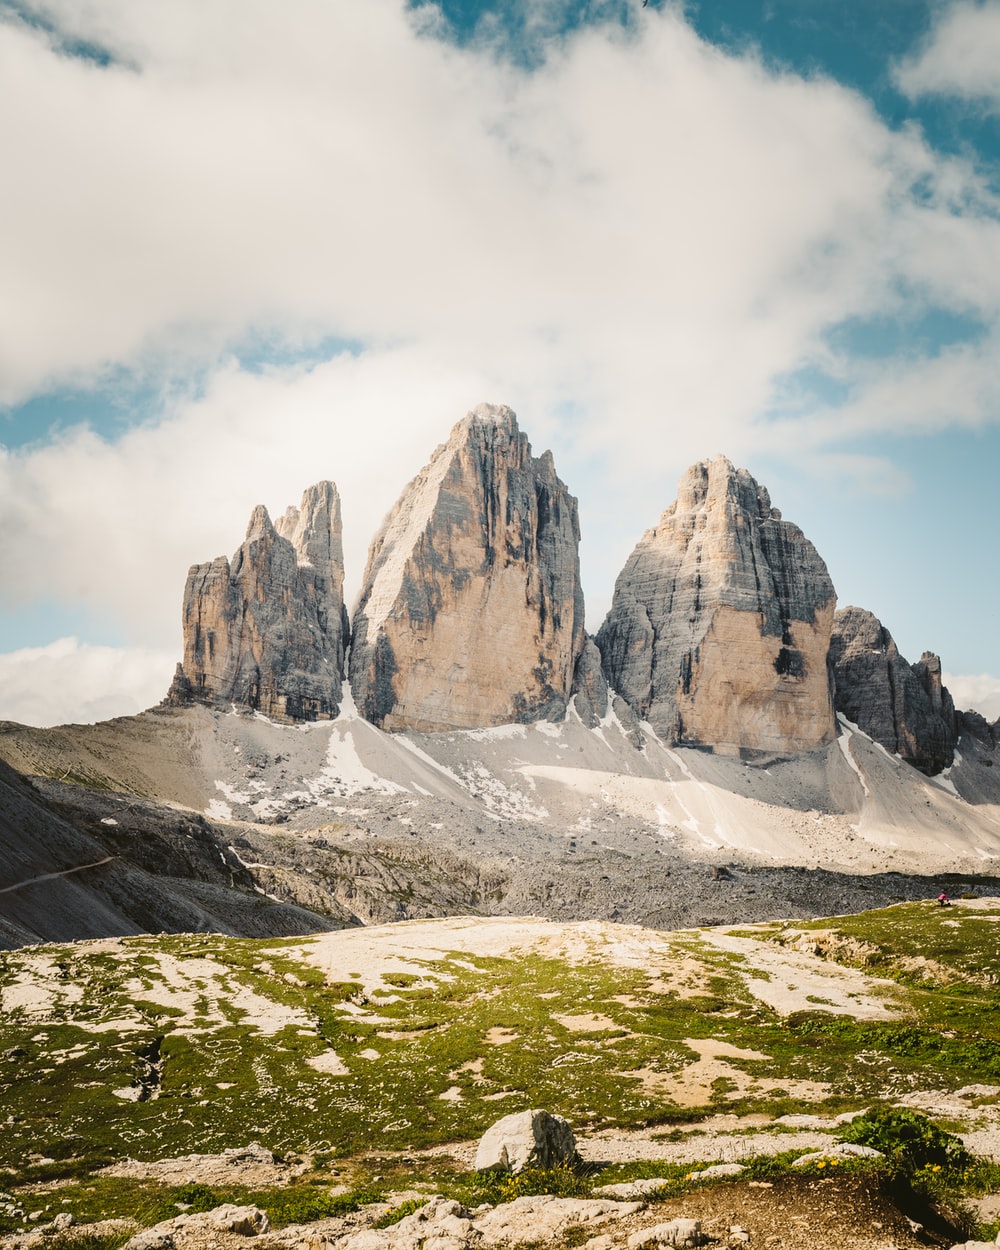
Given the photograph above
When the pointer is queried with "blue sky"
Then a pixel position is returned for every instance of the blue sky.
(244, 249)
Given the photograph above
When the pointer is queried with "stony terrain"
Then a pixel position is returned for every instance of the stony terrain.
(187, 818)
(367, 1062)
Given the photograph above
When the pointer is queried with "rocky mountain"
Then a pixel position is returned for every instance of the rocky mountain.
(268, 631)
(902, 706)
(720, 624)
(471, 612)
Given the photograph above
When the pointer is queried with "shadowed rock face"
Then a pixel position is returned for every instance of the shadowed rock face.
(471, 612)
(267, 632)
(902, 706)
(720, 623)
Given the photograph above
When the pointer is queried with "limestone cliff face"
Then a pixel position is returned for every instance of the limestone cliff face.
(267, 632)
(471, 612)
(902, 706)
(720, 623)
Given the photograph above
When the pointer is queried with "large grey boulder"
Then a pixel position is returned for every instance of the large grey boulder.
(903, 707)
(527, 1139)
(720, 623)
(471, 611)
(267, 632)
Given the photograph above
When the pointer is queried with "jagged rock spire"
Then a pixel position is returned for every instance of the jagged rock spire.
(720, 623)
(268, 631)
(471, 612)
(903, 706)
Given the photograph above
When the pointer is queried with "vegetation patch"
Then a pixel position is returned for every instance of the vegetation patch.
(157, 1047)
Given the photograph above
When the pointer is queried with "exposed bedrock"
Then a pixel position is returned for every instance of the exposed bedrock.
(268, 631)
(471, 611)
(720, 624)
(902, 706)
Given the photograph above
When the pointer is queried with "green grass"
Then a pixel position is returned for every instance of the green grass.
(209, 1077)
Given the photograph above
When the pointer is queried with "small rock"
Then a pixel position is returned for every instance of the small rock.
(738, 1235)
(717, 1170)
(64, 1220)
(157, 1238)
(237, 1156)
(631, 1189)
(842, 1150)
(679, 1232)
(246, 1220)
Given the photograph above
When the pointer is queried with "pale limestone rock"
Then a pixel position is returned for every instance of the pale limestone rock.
(642, 1188)
(842, 1150)
(679, 1232)
(526, 1139)
(720, 624)
(544, 1218)
(471, 612)
(902, 706)
(268, 631)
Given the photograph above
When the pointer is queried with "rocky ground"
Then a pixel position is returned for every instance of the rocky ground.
(186, 819)
(849, 1211)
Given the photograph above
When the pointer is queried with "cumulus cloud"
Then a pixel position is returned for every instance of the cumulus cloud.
(961, 56)
(636, 242)
(68, 681)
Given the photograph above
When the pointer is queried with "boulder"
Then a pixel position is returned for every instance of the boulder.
(267, 632)
(527, 1139)
(903, 707)
(471, 611)
(720, 624)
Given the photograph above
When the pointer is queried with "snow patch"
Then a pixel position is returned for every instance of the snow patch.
(844, 742)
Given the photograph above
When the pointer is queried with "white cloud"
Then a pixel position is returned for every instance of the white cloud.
(961, 57)
(975, 692)
(71, 682)
(632, 244)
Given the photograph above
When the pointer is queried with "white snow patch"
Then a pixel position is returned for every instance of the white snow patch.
(844, 742)
(217, 810)
(344, 774)
(108, 820)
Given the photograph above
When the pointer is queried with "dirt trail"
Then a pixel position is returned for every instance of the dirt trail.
(51, 876)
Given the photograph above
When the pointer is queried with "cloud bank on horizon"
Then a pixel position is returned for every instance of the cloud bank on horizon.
(254, 247)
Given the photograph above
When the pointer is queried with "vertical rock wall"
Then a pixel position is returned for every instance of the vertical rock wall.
(471, 612)
(267, 632)
(720, 623)
(902, 706)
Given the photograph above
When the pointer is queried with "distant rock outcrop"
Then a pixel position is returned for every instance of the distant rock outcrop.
(267, 632)
(720, 624)
(902, 706)
(471, 612)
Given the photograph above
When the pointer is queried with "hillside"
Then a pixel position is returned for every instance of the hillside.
(375, 1057)
(336, 823)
